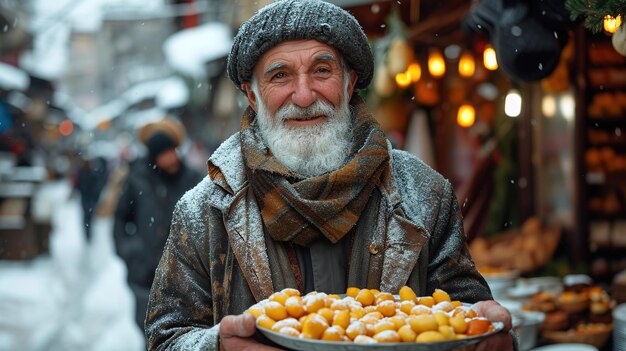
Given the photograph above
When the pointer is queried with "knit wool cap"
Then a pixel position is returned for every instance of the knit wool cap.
(297, 20)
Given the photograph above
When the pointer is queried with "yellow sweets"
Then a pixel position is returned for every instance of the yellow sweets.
(368, 316)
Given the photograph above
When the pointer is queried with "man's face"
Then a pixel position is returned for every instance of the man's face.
(301, 94)
(300, 72)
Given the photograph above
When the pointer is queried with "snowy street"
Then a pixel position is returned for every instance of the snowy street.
(75, 298)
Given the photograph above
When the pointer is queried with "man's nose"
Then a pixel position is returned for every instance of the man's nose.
(303, 94)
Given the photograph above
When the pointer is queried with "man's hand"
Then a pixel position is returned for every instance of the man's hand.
(496, 313)
(236, 332)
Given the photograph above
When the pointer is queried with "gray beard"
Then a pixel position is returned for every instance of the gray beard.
(308, 151)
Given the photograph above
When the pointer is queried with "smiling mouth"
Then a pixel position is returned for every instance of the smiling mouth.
(304, 118)
(305, 121)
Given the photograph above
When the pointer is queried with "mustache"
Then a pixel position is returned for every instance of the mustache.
(318, 108)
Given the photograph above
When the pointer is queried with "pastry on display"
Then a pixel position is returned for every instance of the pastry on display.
(369, 316)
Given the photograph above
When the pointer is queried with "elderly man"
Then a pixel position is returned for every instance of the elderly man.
(308, 194)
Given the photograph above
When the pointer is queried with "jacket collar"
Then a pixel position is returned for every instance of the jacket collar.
(226, 167)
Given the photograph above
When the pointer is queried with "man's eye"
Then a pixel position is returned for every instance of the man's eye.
(279, 75)
(323, 70)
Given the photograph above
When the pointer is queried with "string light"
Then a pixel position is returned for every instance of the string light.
(415, 71)
(466, 116)
(403, 79)
(467, 66)
(436, 64)
(513, 103)
(612, 23)
(567, 105)
(548, 106)
(489, 58)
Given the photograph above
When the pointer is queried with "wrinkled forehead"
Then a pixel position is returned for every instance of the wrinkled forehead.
(290, 54)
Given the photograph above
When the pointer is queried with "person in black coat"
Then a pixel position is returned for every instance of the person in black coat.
(91, 179)
(144, 209)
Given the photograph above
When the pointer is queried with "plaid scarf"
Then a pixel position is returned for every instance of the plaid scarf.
(297, 209)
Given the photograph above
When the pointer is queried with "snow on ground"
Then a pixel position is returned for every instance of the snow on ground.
(76, 298)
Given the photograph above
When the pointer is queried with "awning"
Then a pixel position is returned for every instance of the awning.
(188, 50)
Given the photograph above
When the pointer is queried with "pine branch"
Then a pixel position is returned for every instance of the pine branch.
(593, 11)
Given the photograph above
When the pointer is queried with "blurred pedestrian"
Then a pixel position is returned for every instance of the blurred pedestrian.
(91, 178)
(147, 199)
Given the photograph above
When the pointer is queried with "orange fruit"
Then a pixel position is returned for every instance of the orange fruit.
(440, 295)
(289, 331)
(427, 301)
(420, 309)
(354, 329)
(295, 307)
(342, 318)
(313, 303)
(430, 336)
(383, 296)
(333, 333)
(265, 322)
(478, 326)
(290, 292)
(398, 320)
(279, 297)
(407, 294)
(422, 323)
(406, 306)
(327, 313)
(458, 323)
(442, 318)
(287, 322)
(387, 336)
(387, 308)
(447, 332)
(357, 312)
(275, 310)
(364, 339)
(407, 334)
(365, 297)
(383, 325)
(256, 310)
(352, 291)
(314, 325)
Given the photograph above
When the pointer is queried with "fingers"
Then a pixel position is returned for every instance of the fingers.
(494, 312)
(499, 341)
(242, 325)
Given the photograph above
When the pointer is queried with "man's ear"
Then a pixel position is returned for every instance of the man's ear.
(352, 83)
(247, 88)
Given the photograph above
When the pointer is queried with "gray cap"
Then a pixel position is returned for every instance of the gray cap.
(295, 20)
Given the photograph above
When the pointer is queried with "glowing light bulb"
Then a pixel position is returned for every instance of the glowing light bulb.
(489, 58)
(466, 116)
(567, 105)
(403, 79)
(513, 103)
(415, 71)
(436, 64)
(467, 66)
(612, 23)
(548, 106)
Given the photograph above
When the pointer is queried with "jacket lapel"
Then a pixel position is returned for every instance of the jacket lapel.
(402, 238)
(245, 231)
(403, 244)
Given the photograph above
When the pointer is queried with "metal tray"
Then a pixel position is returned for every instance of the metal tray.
(317, 345)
